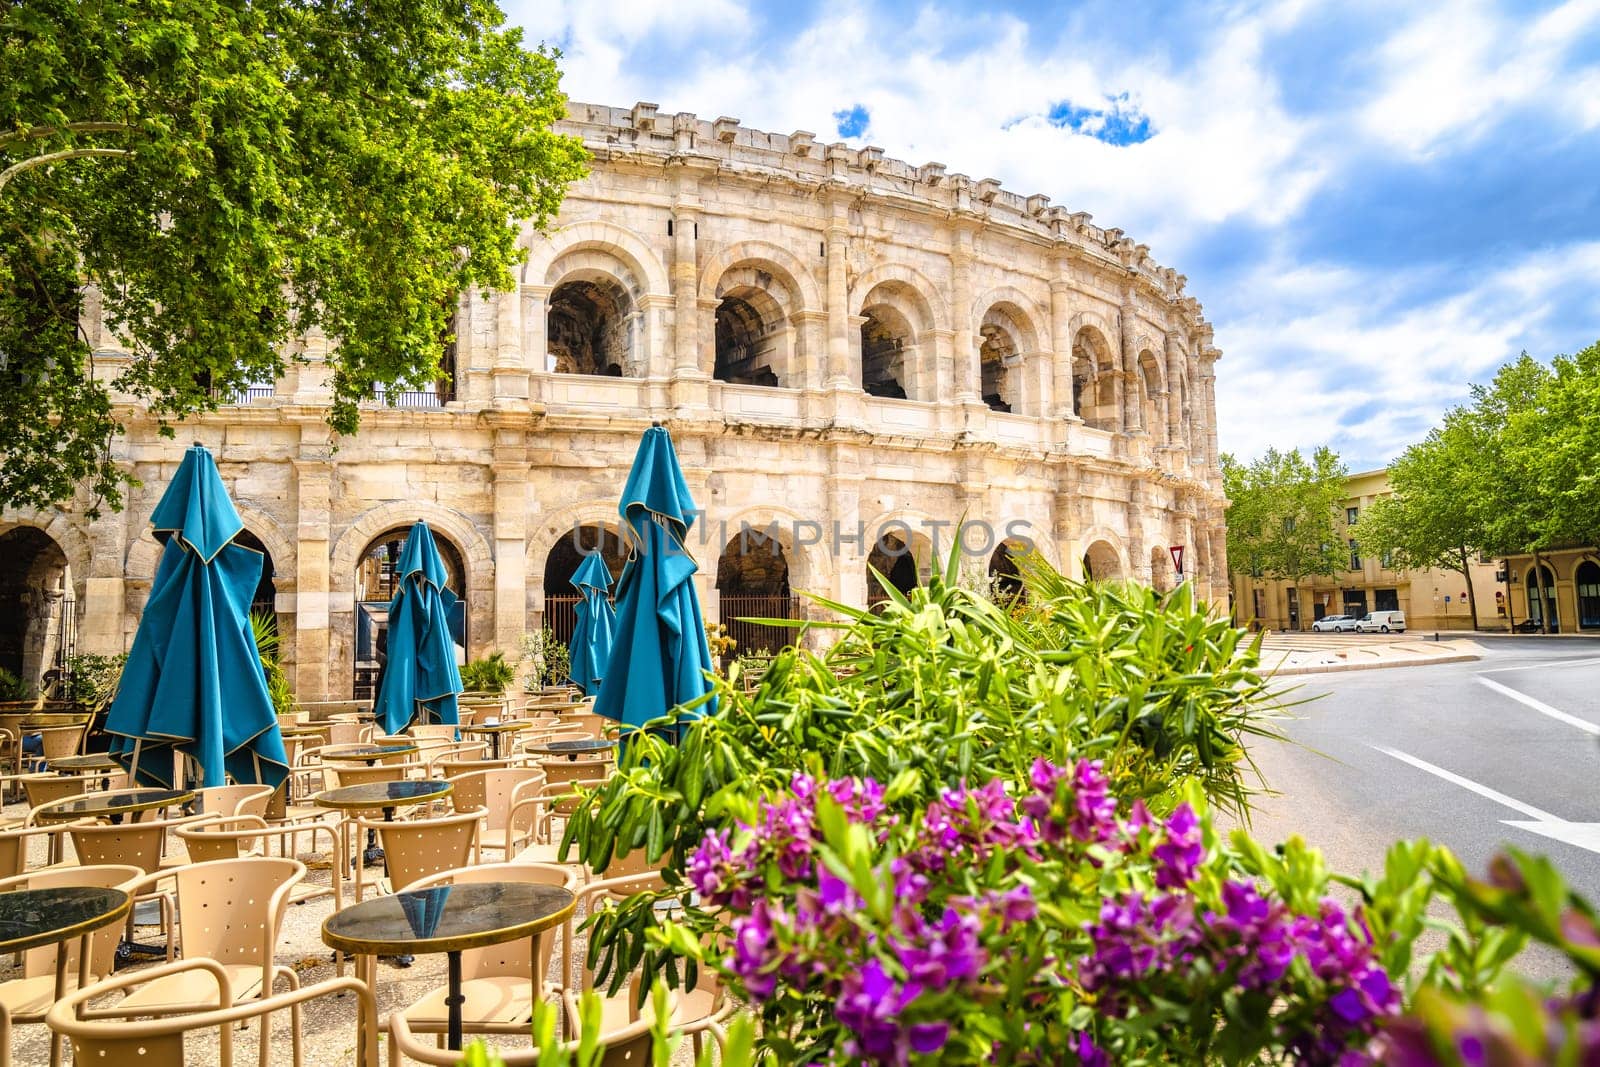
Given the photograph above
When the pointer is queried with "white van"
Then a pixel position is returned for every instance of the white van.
(1374, 622)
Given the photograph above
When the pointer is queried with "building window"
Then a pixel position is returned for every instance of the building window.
(1386, 600)
(1351, 515)
(1386, 560)
(1355, 556)
(1588, 582)
(1288, 524)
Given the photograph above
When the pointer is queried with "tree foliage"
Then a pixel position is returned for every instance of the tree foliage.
(232, 176)
(1281, 513)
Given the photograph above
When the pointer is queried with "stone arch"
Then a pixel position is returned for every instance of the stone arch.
(1005, 579)
(784, 266)
(1586, 592)
(594, 323)
(932, 310)
(596, 234)
(1096, 380)
(69, 536)
(549, 528)
(1023, 310)
(753, 579)
(1153, 397)
(752, 338)
(1104, 557)
(1008, 339)
(895, 342)
(36, 583)
(476, 554)
(284, 552)
(808, 568)
(910, 528)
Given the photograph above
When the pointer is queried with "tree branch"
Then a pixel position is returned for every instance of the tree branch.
(56, 157)
(36, 132)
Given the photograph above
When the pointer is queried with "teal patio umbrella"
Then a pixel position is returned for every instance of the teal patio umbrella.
(194, 682)
(659, 655)
(592, 637)
(419, 676)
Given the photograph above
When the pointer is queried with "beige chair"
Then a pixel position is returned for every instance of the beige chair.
(141, 844)
(230, 800)
(62, 741)
(348, 732)
(230, 912)
(14, 844)
(589, 771)
(416, 848)
(628, 1047)
(27, 999)
(110, 1036)
(42, 789)
(432, 730)
(450, 768)
(499, 981)
(533, 834)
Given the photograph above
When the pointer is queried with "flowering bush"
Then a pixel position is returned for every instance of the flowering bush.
(1005, 929)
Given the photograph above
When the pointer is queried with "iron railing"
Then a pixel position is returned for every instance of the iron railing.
(561, 616)
(753, 636)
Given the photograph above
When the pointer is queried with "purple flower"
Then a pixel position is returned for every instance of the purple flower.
(869, 1004)
(1089, 1054)
(755, 955)
(1181, 853)
(711, 866)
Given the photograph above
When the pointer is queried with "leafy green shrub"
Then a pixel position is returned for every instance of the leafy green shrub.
(12, 687)
(264, 628)
(491, 674)
(552, 660)
(92, 679)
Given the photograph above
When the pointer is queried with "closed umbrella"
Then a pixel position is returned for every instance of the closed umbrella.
(193, 682)
(659, 655)
(419, 676)
(592, 637)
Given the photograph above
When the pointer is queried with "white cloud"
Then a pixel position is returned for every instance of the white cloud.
(1394, 370)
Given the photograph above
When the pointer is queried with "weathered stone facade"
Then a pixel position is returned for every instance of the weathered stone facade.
(832, 337)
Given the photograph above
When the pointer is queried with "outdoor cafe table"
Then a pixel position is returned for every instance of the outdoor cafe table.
(448, 919)
(30, 918)
(111, 806)
(385, 795)
(368, 754)
(495, 729)
(570, 749)
(95, 761)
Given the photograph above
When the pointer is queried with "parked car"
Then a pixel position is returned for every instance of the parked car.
(1335, 624)
(1382, 622)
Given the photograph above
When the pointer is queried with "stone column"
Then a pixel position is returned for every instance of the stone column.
(312, 637)
(1132, 416)
(1208, 383)
(847, 546)
(104, 589)
(685, 284)
(510, 367)
(837, 240)
(964, 352)
(510, 473)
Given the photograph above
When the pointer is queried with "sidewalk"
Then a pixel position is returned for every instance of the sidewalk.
(1304, 653)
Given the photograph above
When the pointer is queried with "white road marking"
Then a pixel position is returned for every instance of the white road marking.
(1467, 783)
(1540, 706)
(1584, 835)
(1553, 665)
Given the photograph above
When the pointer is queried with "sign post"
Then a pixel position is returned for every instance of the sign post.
(1177, 561)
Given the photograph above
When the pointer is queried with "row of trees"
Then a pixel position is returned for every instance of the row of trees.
(1515, 471)
(232, 176)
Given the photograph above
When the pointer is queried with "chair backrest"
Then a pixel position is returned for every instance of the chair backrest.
(219, 839)
(137, 844)
(230, 800)
(347, 733)
(231, 909)
(433, 730)
(502, 788)
(103, 942)
(470, 790)
(108, 1038)
(416, 848)
(562, 769)
(449, 768)
(630, 1046)
(59, 742)
(49, 788)
(344, 774)
(514, 959)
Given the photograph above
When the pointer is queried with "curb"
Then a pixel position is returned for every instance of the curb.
(1331, 668)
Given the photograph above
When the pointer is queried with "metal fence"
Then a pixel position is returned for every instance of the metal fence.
(413, 399)
(752, 636)
(247, 394)
(561, 616)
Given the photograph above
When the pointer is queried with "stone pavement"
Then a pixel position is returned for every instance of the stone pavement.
(1314, 653)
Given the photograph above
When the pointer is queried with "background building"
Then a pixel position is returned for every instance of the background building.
(1432, 599)
(841, 344)
(1570, 589)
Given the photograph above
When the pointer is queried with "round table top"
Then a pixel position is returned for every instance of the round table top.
(569, 748)
(302, 731)
(382, 794)
(496, 727)
(118, 803)
(94, 761)
(366, 753)
(33, 917)
(447, 918)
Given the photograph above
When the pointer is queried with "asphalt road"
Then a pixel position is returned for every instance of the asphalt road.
(1471, 755)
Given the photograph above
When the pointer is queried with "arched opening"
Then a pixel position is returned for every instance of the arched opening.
(884, 337)
(1006, 339)
(1094, 381)
(590, 328)
(753, 582)
(265, 599)
(566, 555)
(1005, 580)
(749, 326)
(376, 583)
(1587, 580)
(893, 558)
(38, 614)
(1545, 579)
(1154, 418)
(1102, 564)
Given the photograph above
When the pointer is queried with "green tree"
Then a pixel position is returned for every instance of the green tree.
(1281, 513)
(232, 176)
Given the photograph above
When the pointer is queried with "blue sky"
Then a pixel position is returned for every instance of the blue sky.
(1377, 203)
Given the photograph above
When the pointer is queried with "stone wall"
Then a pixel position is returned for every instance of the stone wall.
(678, 215)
